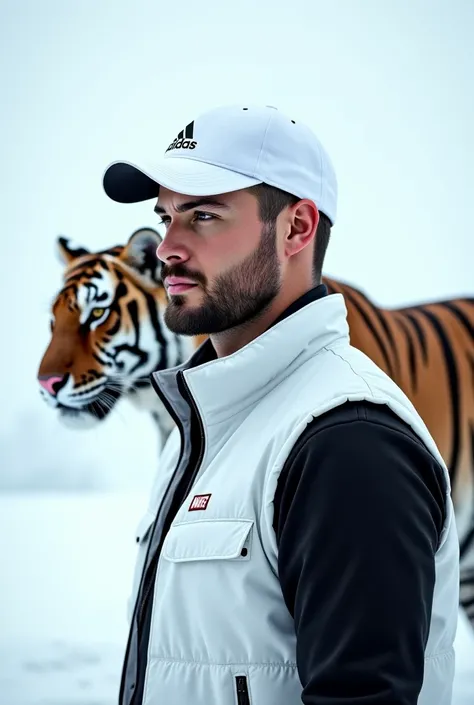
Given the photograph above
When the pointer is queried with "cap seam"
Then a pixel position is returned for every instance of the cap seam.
(270, 118)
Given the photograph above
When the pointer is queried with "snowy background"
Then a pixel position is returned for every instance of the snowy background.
(387, 86)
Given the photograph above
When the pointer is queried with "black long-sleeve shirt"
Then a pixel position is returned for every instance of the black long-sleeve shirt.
(359, 510)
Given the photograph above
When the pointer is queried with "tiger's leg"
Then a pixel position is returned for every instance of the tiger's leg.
(462, 490)
(467, 573)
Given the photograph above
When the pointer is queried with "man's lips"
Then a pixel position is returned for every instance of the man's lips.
(178, 285)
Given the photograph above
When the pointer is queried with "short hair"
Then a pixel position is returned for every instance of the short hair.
(273, 200)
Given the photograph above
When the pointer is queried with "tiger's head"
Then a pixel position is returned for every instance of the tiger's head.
(107, 330)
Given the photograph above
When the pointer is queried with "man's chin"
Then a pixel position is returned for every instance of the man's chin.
(182, 318)
(209, 320)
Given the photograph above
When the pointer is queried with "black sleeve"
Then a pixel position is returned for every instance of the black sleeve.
(358, 514)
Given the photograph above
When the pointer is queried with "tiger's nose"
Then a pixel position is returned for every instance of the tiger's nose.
(49, 382)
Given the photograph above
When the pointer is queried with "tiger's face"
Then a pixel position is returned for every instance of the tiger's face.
(107, 333)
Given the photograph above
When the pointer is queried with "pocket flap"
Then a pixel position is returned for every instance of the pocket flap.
(207, 540)
(144, 526)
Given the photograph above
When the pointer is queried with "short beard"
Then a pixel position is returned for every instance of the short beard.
(238, 296)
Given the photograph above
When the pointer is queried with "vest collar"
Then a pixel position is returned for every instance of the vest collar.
(222, 387)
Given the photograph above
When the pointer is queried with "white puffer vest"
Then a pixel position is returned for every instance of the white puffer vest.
(218, 611)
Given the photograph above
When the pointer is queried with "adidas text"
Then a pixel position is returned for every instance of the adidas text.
(182, 144)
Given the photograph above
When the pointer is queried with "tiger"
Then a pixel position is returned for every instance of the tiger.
(108, 336)
(107, 333)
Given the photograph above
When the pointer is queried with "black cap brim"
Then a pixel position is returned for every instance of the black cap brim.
(125, 183)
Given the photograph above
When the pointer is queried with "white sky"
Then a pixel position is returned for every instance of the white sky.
(388, 87)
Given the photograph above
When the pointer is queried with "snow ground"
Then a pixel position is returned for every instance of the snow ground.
(67, 562)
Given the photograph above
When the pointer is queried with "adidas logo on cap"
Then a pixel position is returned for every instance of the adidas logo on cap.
(185, 139)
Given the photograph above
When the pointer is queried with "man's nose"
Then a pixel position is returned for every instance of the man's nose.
(172, 247)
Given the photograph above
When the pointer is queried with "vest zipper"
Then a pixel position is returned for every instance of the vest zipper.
(171, 412)
(139, 606)
(151, 581)
(243, 697)
(149, 575)
(192, 403)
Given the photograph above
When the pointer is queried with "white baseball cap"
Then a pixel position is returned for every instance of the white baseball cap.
(231, 148)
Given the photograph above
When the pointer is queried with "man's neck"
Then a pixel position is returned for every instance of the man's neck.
(229, 341)
(234, 339)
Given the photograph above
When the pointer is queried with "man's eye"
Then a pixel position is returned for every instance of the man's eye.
(199, 215)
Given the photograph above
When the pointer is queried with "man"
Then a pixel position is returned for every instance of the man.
(299, 544)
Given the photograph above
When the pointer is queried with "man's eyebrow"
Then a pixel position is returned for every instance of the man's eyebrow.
(189, 205)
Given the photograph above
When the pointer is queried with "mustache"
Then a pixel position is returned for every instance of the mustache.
(179, 270)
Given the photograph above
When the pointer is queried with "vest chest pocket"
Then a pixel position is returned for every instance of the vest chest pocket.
(209, 540)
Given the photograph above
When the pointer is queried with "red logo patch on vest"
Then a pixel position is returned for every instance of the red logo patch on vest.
(199, 501)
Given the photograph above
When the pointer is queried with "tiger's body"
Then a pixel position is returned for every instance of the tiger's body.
(108, 336)
(428, 349)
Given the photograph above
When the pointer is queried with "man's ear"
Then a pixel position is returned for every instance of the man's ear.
(303, 224)
(140, 254)
(67, 250)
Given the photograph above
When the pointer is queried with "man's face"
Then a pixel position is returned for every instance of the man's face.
(220, 262)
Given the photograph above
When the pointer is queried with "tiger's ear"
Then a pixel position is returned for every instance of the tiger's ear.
(140, 253)
(67, 250)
